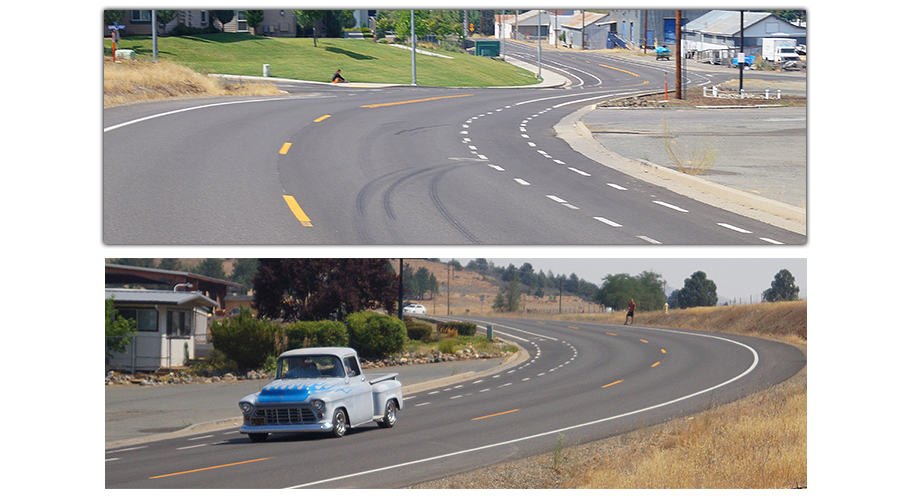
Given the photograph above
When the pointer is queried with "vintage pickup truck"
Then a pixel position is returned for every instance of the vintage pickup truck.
(320, 390)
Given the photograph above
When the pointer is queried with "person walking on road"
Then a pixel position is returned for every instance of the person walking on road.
(630, 312)
(336, 77)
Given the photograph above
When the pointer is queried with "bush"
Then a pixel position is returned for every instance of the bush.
(375, 335)
(454, 328)
(215, 364)
(246, 340)
(316, 334)
(418, 331)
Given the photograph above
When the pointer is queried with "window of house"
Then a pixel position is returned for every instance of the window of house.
(146, 320)
(178, 322)
(242, 20)
(140, 16)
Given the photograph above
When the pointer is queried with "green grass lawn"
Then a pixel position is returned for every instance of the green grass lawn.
(296, 58)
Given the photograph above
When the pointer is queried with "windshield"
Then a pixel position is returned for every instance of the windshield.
(315, 366)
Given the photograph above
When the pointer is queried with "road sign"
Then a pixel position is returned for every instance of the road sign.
(116, 26)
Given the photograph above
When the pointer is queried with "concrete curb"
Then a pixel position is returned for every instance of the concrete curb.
(551, 79)
(519, 357)
(573, 130)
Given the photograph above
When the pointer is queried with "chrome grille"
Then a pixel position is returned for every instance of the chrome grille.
(286, 416)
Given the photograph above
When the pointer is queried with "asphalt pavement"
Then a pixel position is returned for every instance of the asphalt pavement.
(137, 413)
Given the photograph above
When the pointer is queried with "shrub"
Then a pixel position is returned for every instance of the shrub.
(418, 331)
(375, 335)
(216, 363)
(246, 340)
(316, 334)
(453, 328)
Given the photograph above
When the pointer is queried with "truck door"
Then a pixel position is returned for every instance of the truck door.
(359, 400)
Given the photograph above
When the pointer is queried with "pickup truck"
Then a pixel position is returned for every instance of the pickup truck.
(320, 389)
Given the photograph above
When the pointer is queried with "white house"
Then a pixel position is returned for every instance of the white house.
(167, 322)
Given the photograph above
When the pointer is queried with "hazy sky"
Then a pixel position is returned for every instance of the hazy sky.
(736, 279)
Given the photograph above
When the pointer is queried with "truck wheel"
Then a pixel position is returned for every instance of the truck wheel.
(390, 415)
(339, 423)
(258, 437)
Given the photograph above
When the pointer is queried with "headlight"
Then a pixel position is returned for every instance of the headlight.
(247, 408)
(317, 404)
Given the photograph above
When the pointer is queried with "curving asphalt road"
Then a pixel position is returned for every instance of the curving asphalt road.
(582, 381)
(395, 165)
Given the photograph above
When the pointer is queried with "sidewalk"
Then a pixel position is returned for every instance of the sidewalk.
(136, 414)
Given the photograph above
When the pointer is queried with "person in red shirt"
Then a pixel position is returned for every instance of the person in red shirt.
(630, 312)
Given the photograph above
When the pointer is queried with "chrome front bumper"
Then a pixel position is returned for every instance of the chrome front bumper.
(274, 429)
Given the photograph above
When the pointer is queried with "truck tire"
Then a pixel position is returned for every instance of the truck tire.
(339, 423)
(258, 437)
(390, 415)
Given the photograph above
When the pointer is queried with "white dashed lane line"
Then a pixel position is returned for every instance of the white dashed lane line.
(523, 132)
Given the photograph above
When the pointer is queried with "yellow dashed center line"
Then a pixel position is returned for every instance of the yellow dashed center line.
(298, 212)
(614, 383)
(495, 414)
(211, 468)
(285, 148)
(416, 100)
(322, 118)
(619, 69)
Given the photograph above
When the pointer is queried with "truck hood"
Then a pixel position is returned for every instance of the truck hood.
(299, 390)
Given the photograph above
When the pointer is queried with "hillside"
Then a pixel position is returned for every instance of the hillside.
(467, 287)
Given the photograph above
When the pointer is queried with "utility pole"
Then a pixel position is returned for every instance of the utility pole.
(448, 288)
(645, 31)
(400, 294)
(678, 90)
(741, 58)
(412, 36)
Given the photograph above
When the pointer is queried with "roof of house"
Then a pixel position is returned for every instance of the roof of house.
(727, 22)
(590, 18)
(125, 295)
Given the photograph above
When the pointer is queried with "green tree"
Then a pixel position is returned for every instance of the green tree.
(164, 17)
(119, 330)
(783, 288)
(211, 268)
(617, 291)
(243, 271)
(509, 298)
(313, 289)
(698, 291)
(254, 19)
(402, 26)
(223, 16)
(111, 17)
(307, 19)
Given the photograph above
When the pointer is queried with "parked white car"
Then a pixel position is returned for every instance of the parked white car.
(414, 309)
(320, 390)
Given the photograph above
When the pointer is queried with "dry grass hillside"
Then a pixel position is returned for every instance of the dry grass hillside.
(467, 287)
(129, 81)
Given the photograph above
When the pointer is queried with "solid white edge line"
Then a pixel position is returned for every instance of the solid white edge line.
(175, 111)
(557, 431)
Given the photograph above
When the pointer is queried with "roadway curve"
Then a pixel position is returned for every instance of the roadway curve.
(582, 380)
(396, 165)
